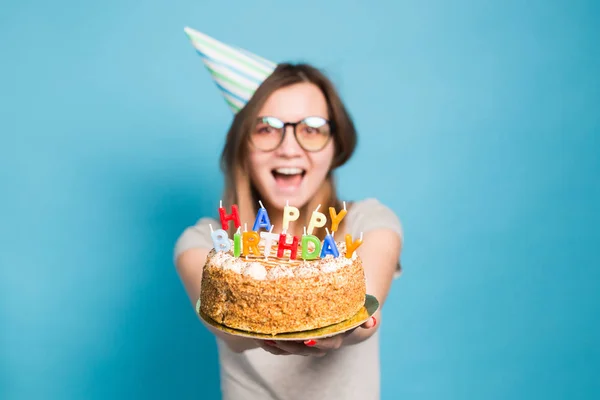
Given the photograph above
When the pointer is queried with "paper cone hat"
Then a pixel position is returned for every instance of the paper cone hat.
(236, 72)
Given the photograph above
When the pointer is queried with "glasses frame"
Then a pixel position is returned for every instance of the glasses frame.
(293, 125)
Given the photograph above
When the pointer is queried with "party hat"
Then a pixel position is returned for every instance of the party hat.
(236, 72)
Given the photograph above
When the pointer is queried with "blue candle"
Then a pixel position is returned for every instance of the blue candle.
(262, 219)
(329, 246)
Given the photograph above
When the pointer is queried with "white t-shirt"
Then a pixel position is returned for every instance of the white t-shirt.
(351, 372)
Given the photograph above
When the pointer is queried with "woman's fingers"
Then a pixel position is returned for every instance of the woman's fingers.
(270, 347)
(300, 349)
(370, 323)
(312, 347)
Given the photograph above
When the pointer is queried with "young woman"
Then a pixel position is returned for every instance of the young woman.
(283, 146)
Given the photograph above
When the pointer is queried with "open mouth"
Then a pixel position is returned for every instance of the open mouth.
(288, 178)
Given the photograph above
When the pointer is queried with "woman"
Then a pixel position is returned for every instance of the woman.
(295, 164)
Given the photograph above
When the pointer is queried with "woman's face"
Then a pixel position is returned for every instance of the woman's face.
(290, 173)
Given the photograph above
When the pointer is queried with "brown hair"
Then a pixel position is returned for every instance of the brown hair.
(238, 187)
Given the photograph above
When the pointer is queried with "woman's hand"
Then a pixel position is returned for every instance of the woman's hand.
(312, 347)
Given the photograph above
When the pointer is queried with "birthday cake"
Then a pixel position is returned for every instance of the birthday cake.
(271, 283)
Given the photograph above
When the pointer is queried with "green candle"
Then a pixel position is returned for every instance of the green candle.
(310, 255)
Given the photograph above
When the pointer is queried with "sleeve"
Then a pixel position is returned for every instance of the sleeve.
(370, 214)
(196, 236)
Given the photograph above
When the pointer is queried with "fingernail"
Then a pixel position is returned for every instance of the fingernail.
(374, 322)
(270, 342)
(310, 342)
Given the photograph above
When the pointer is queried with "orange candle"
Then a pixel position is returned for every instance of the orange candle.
(352, 246)
(250, 240)
(336, 218)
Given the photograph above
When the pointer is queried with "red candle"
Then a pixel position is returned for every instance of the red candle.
(225, 218)
(283, 245)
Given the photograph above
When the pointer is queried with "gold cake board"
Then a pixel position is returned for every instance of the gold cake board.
(371, 305)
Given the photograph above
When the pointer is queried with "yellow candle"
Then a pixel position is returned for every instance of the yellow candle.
(352, 246)
(317, 220)
(289, 214)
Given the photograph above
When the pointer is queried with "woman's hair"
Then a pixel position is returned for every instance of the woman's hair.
(234, 161)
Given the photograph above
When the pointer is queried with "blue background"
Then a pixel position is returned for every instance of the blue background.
(479, 126)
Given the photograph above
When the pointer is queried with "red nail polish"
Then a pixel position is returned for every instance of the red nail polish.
(310, 342)
(374, 322)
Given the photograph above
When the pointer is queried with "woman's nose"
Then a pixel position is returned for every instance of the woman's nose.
(289, 147)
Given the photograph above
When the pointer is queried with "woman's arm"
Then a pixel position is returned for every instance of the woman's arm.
(189, 265)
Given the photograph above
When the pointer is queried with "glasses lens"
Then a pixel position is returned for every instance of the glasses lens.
(267, 133)
(313, 133)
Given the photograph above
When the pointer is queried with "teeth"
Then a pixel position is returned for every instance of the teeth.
(289, 171)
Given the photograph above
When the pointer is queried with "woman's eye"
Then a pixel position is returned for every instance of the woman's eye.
(265, 129)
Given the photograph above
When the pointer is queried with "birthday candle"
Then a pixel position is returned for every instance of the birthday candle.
(336, 218)
(237, 239)
(225, 218)
(317, 220)
(352, 246)
(289, 214)
(329, 246)
(250, 243)
(283, 245)
(262, 219)
(220, 239)
(269, 237)
(306, 253)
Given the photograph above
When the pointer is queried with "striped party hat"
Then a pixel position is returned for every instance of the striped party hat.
(236, 72)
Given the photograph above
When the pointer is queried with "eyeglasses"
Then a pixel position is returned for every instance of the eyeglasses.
(312, 133)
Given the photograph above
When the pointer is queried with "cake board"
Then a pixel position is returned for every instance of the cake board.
(368, 309)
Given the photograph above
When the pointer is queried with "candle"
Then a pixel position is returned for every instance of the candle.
(262, 219)
(220, 239)
(237, 243)
(307, 254)
(329, 246)
(352, 246)
(284, 245)
(317, 220)
(225, 218)
(337, 218)
(250, 243)
(269, 237)
(289, 214)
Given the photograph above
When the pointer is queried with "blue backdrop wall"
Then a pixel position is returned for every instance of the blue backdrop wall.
(479, 126)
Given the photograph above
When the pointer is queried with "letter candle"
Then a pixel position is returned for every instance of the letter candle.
(262, 218)
(225, 218)
(289, 214)
(220, 239)
(336, 218)
(268, 237)
(237, 243)
(352, 246)
(284, 245)
(329, 246)
(317, 220)
(306, 253)
(250, 243)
